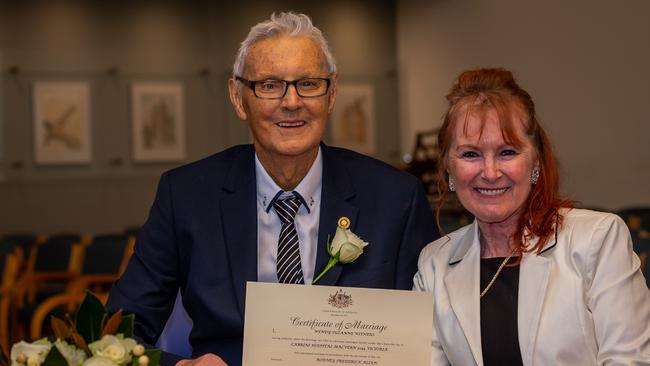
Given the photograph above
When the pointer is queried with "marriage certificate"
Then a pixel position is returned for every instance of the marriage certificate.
(297, 325)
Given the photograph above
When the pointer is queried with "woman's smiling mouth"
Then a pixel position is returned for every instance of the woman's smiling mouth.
(491, 191)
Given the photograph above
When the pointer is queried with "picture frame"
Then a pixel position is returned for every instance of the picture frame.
(62, 126)
(353, 118)
(158, 121)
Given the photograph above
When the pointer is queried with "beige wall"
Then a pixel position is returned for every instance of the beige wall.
(586, 64)
(152, 41)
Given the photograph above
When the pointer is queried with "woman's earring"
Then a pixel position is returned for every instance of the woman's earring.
(452, 186)
(534, 176)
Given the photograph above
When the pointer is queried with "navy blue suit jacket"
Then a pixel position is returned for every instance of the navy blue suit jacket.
(201, 237)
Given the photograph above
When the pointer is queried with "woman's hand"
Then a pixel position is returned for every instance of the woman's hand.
(208, 359)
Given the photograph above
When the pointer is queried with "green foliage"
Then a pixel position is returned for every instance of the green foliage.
(126, 326)
(55, 358)
(154, 356)
(89, 318)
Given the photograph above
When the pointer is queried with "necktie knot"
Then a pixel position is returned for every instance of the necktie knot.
(286, 209)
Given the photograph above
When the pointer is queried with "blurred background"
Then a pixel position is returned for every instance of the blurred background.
(586, 64)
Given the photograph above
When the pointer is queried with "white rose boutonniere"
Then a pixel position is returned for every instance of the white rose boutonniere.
(346, 247)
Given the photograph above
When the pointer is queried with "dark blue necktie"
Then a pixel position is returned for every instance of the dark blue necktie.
(289, 266)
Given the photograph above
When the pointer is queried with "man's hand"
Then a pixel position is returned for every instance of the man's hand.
(208, 359)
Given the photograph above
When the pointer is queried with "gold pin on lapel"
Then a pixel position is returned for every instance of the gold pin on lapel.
(344, 222)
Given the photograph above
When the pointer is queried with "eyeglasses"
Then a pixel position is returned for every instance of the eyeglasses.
(277, 89)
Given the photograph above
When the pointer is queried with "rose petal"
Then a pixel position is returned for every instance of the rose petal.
(349, 252)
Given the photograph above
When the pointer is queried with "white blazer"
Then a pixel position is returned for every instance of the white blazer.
(582, 300)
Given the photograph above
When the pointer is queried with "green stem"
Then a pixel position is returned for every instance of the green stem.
(329, 266)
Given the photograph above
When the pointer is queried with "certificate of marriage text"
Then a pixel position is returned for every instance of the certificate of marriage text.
(297, 325)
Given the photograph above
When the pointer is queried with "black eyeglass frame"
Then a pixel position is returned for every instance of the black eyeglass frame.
(251, 85)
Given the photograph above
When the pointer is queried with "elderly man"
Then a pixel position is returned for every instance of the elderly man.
(263, 212)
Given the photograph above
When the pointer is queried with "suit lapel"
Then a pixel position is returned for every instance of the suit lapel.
(335, 193)
(462, 282)
(239, 222)
(533, 280)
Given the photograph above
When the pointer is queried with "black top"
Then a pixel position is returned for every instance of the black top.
(499, 336)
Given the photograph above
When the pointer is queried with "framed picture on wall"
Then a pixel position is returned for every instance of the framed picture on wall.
(353, 118)
(158, 121)
(62, 122)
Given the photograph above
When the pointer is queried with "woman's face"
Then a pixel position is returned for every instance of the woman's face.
(492, 177)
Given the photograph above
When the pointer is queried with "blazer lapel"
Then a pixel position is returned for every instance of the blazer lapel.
(239, 222)
(533, 279)
(336, 191)
(462, 282)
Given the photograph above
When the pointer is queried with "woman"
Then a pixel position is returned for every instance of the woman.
(532, 281)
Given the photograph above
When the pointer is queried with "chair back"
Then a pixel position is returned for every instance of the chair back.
(103, 261)
(23, 241)
(636, 218)
(11, 267)
(105, 254)
(5, 250)
(51, 264)
(55, 254)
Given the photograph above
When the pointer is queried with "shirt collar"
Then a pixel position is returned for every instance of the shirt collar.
(309, 187)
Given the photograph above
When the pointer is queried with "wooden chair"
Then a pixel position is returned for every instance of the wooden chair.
(50, 265)
(24, 241)
(103, 261)
(12, 262)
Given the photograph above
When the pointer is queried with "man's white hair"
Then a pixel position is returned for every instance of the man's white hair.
(289, 24)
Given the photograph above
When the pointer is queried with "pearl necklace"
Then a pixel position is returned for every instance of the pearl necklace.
(494, 278)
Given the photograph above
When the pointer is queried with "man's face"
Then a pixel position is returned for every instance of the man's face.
(292, 126)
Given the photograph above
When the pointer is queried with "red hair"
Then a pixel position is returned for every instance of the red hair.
(497, 89)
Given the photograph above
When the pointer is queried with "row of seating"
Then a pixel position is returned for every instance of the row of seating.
(45, 273)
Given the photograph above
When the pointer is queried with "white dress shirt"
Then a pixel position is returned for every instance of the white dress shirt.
(268, 222)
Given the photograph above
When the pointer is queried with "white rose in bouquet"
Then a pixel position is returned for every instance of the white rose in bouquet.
(74, 356)
(30, 354)
(115, 348)
(99, 361)
(74, 339)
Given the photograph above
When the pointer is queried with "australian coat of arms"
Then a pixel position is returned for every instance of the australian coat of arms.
(340, 299)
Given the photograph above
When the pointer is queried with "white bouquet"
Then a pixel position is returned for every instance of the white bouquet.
(93, 339)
